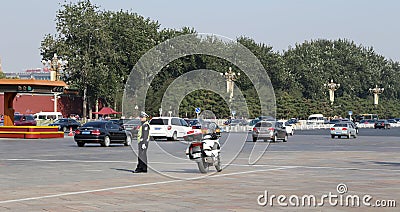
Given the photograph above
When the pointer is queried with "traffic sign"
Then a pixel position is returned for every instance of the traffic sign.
(233, 112)
(350, 113)
(197, 110)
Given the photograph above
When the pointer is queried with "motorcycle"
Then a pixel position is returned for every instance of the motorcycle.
(206, 152)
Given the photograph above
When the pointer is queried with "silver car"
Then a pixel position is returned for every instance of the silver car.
(343, 129)
(273, 131)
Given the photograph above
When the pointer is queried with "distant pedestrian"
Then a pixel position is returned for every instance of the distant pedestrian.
(143, 138)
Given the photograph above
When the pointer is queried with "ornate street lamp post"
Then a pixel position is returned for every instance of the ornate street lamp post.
(376, 91)
(230, 77)
(56, 65)
(332, 88)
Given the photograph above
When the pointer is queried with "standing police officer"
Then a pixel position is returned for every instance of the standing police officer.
(143, 138)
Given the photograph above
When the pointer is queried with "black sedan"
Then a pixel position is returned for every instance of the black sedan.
(133, 126)
(102, 132)
(66, 124)
(382, 124)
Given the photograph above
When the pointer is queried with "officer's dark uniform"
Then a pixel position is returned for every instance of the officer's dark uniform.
(143, 138)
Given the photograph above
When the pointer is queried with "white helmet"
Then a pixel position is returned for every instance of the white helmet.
(207, 137)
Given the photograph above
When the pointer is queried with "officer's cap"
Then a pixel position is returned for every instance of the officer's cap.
(143, 114)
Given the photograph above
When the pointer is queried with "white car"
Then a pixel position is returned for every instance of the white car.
(171, 128)
(288, 127)
(343, 129)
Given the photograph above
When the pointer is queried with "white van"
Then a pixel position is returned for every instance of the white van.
(171, 128)
(48, 116)
(316, 119)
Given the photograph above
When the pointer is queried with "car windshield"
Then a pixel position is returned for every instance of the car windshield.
(193, 122)
(159, 122)
(263, 124)
(95, 124)
(340, 125)
(17, 117)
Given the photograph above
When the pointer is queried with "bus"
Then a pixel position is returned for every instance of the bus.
(366, 116)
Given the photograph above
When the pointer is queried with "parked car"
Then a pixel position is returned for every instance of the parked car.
(133, 126)
(273, 131)
(102, 132)
(382, 124)
(48, 116)
(288, 127)
(392, 121)
(343, 129)
(65, 124)
(293, 121)
(254, 122)
(193, 122)
(368, 121)
(334, 121)
(171, 128)
(238, 122)
(24, 120)
(266, 118)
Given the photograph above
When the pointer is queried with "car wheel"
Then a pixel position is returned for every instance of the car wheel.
(332, 136)
(285, 139)
(128, 140)
(275, 138)
(339, 136)
(254, 139)
(106, 142)
(80, 144)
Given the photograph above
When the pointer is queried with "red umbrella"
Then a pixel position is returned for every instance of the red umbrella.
(106, 111)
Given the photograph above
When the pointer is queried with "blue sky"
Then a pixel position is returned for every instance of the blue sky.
(277, 23)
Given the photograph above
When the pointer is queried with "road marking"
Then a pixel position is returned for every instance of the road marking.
(190, 163)
(134, 186)
(80, 161)
(88, 161)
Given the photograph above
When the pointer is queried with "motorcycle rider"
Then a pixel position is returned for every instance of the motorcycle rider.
(143, 138)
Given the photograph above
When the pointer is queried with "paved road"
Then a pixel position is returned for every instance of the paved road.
(56, 175)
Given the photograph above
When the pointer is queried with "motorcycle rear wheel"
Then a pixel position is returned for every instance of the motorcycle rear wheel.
(203, 166)
(218, 166)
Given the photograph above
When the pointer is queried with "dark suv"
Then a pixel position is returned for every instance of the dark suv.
(24, 120)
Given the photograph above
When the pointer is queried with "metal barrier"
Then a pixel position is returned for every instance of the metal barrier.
(296, 127)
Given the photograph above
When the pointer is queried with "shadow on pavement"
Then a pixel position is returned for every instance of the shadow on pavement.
(386, 163)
